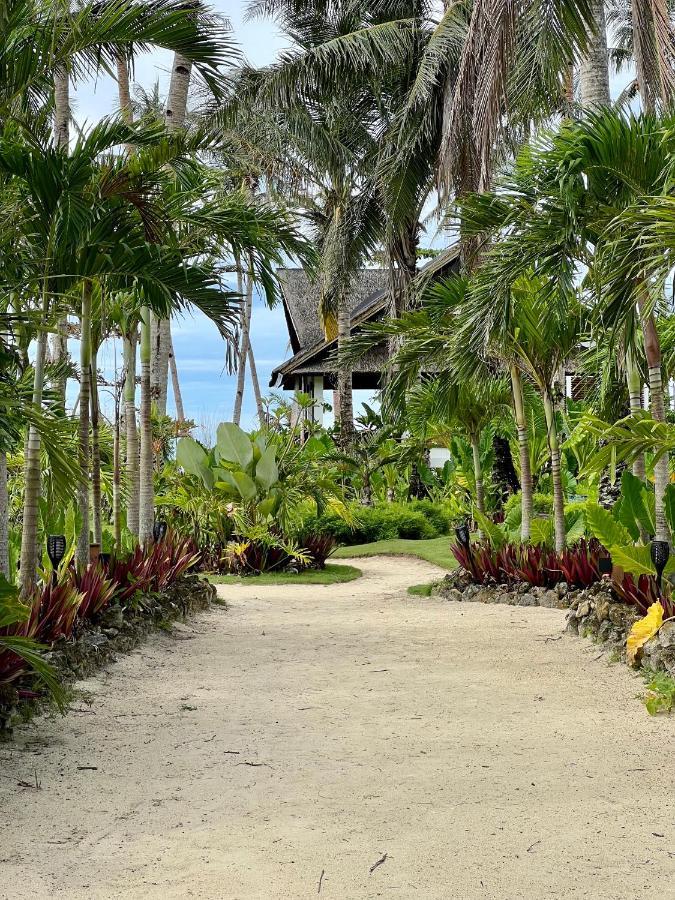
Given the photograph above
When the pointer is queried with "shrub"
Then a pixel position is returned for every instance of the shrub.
(319, 547)
(419, 520)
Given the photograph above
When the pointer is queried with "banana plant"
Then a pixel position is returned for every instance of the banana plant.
(239, 467)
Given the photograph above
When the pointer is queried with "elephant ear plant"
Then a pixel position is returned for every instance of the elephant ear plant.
(245, 470)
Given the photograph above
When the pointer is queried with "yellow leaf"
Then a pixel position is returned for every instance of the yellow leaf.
(643, 630)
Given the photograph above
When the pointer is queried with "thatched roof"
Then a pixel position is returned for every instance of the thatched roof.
(370, 300)
(301, 302)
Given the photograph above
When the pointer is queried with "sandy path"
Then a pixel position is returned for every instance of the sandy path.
(314, 729)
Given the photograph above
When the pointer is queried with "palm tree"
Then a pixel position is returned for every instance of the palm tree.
(563, 197)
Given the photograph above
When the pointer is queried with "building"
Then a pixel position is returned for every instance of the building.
(312, 369)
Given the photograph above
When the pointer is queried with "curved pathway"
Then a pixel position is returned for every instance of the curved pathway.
(347, 742)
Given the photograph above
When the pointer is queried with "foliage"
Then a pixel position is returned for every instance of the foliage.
(510, 563)
(419, 520)
(58, 610)
(660, 696)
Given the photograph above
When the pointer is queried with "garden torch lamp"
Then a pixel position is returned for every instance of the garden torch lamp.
(660, 552)
(463, 537)
(56, 550)
(159, 531)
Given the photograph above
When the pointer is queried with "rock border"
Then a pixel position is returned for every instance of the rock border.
(118, 631)
(593, 612)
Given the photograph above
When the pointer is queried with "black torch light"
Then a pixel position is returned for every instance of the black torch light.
(605, 567)
(660, 553)
(56, 550)
(159, 530)
(463, 535)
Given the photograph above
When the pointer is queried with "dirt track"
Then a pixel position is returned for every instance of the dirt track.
(282, 748)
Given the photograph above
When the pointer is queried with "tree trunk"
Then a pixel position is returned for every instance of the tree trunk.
(634, 382)
(59, 340)
(174, 117)
(82, 552)
(345, 410)
(175, 383)
(146, 510)
(176, 104)
(117, 475)
(524, 454)
(31, 493)
(242, 355)
(558, 494)
(95, 455)
(478, 471)
(132, 472)
(594, 68)
(657, 408)
(4, 517)
(256, 384)
(123, 89)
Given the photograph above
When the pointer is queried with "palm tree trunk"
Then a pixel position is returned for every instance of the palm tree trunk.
(175, 383)
(558, 494)
(82, 552)
(594, 69)
(31, 491)
(345, 408)
(117, 474)
(242, 355)
(477, 471)
(174, 117)
(59, 341)
(634, 382)
(95, 455)
(256, 384)
(132, 472)
(4, 517)
(146, 510)
(524, 454)
(160, 332)
(123, 90)
(657, 408)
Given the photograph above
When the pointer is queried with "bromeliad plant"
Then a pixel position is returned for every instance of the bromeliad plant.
(532, 564)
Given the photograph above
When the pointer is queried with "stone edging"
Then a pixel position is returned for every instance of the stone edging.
(97, 645)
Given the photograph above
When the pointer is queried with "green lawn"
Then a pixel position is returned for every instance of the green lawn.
(436, 550)
(332, 574)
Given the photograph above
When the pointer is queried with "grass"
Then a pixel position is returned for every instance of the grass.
(435, 550)
(332, 574)
(421, 590)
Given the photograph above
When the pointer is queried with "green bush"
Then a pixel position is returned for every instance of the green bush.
(419, 520)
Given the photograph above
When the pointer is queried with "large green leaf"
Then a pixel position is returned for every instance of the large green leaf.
(11, 608)
(233, 445)
(602, 525)
(542, 531)
(635, 559)
(266, 471)
(245, 485)
(195, 460)
(669, 500)
(638, 501)
(492, 532)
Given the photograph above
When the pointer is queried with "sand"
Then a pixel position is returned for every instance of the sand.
(347, 741)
